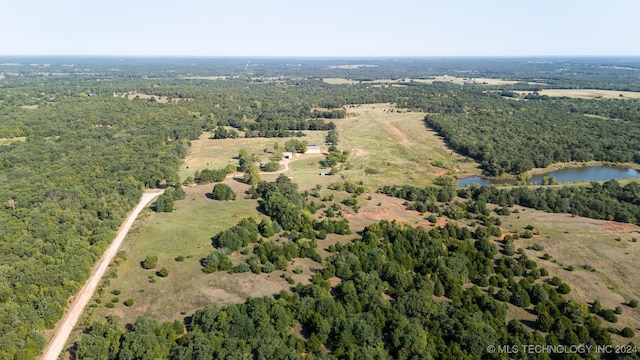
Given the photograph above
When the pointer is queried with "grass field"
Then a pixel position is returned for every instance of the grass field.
(187, 232)
(578, 241)
(214, 154)
(588, 93)
(392, 147)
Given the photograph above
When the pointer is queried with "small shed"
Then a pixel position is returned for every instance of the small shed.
(313, 149)
(287, 155)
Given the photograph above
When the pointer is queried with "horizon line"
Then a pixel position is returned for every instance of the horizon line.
(314, 56)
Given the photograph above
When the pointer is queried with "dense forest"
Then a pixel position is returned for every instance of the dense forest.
(76, 154)
(514, 136)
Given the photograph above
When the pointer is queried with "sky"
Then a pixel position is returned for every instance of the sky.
(328, 28)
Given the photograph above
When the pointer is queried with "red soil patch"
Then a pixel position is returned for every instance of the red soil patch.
(437, 172)
(399, 134)
(360, 152)
(615, 226)
(505, 234)
(334, 281)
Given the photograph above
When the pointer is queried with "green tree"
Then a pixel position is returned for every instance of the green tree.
(252, 175)
(223, 192)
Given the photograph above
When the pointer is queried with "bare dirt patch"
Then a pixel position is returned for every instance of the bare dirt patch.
(390, 209)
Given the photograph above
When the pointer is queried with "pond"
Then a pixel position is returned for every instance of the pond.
(589, 173)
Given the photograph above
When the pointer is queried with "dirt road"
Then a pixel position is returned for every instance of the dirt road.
(74, 311)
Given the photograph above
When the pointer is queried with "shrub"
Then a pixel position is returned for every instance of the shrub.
(618, 310)
(538, 247)
(115, 292)
(163, 272)
(242, 268)
(115, 300)
(179, 258)
(297, 270)
(627, 332)
(271, 166)
(555, 281)
(633, 303)
(610, 316)
(109, 305)
(128, 302)
(564, 288)
(149, 262)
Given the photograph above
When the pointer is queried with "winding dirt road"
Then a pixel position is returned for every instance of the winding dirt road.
(74, 311)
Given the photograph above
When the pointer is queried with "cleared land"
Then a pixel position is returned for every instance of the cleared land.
(142, 96)
(217, 153)
(392, 146)
(578, 241)
(186, 232)
(8, 141)
(588, 93)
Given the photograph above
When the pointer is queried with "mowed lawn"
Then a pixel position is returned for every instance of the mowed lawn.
(392, 146)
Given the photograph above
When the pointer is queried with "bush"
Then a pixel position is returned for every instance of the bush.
(627, 332)
(555, 281)
(149, 262)
(633, 303)
(110, 305)
(242, 268)
(223, 192)
(538, 247)
(271, 166)
(618, 310)
(564, 288)
(297, 270)
(128, 302)
(115, 292)
(115, 300)
(179, 258)
(163, 272)
(610, 316)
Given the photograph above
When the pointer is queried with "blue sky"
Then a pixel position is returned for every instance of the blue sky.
(320, 28)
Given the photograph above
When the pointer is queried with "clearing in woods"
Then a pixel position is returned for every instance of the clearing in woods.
(391, 146)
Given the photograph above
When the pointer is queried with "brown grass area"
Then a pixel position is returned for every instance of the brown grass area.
(392, 146)
(390, 209)
(581, 241)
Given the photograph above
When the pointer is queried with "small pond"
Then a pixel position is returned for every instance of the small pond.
(589, 173)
